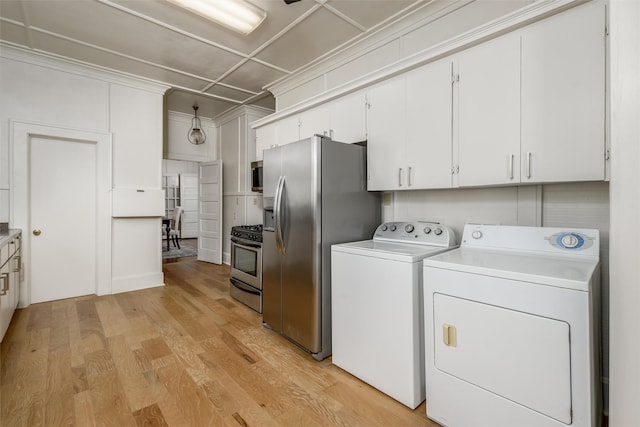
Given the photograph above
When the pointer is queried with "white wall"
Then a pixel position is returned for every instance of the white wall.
(624, 35)
(38, 89)
(178, 147)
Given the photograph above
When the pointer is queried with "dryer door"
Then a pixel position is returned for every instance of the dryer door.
(519, 356)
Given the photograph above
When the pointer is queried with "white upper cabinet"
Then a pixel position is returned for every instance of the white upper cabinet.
(314, 122)
(563, 97)
(347, 116)
(265, 138)
(525, 107)
(409, 130)
(288, 130)
(489, 113)
(428, 125)
(386, 118)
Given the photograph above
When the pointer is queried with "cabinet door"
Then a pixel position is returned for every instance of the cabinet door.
(288, 130)
(314, 121)
(386, 136)
(348, 118)
(6, 308)
(428, 126)
(489, 113)
(230, 155)
(265, 138)
(563, 97)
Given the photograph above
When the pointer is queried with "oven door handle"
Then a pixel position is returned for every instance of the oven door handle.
(244, 287)
(277, 213)
(245, 244)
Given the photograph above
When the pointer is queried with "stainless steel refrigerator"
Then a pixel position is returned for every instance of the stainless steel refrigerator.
(315, 195)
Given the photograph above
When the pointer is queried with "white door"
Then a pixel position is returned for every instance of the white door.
(189, 202)
(210, 212)
(51, 187)
(63, 218)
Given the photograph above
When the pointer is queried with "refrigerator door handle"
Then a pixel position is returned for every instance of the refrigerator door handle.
(277, 213)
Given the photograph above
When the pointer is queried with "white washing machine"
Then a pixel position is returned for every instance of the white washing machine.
(512, 328)
(376, 304)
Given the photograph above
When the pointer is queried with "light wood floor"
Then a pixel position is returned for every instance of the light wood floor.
(181, 355)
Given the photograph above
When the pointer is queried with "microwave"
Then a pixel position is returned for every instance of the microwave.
(256, 176)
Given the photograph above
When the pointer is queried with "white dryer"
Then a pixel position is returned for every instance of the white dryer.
(512, 328)
(377, 306)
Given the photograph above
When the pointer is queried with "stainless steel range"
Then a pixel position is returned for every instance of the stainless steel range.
(246, 265)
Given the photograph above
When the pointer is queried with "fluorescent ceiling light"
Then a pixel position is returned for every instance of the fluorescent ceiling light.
(237, 15)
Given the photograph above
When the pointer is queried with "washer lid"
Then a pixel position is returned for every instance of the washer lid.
(387, 250)
(561, 271)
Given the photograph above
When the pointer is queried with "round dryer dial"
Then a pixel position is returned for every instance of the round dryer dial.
(570, 240)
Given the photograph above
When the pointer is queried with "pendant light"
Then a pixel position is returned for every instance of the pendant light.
(196, 134)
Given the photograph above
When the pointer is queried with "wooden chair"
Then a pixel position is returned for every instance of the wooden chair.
(171, 233)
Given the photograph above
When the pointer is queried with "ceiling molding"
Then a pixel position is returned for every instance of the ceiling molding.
(60, 63)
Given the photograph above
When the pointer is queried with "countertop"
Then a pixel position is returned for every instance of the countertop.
(6, 236)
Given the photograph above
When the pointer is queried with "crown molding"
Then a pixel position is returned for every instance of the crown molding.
(239, 111)
(60, 63)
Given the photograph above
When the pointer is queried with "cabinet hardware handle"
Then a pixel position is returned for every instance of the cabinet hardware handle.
(400, 177)
(37, 232)
(5, 283)
(18, 259)
(511, 166)
(528, 164)
(449, 335)
(409, 176)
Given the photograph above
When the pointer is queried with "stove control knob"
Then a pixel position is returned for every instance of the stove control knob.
(408, 228)
(384, 227)
(427, 230)
(437, 231)
(393, 227)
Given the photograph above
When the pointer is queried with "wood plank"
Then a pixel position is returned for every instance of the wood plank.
(59, 409)
(83, 409)
(132, 380)
(155, 348)
(112, 319)
(108, 400)
(150, 416)
(91, 331)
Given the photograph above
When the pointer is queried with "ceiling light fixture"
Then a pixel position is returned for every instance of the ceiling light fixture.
(196, 134)
(238, 15)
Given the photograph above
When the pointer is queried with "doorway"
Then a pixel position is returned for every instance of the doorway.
(61, 200)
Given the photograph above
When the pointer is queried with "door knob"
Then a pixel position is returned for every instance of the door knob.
(37, 232)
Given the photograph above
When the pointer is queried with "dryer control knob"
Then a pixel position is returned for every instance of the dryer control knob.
(408, 228)
(392, 228)
(570, 241)
(384, 227)
(427, 230)
(437, 231)
(476, 234)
